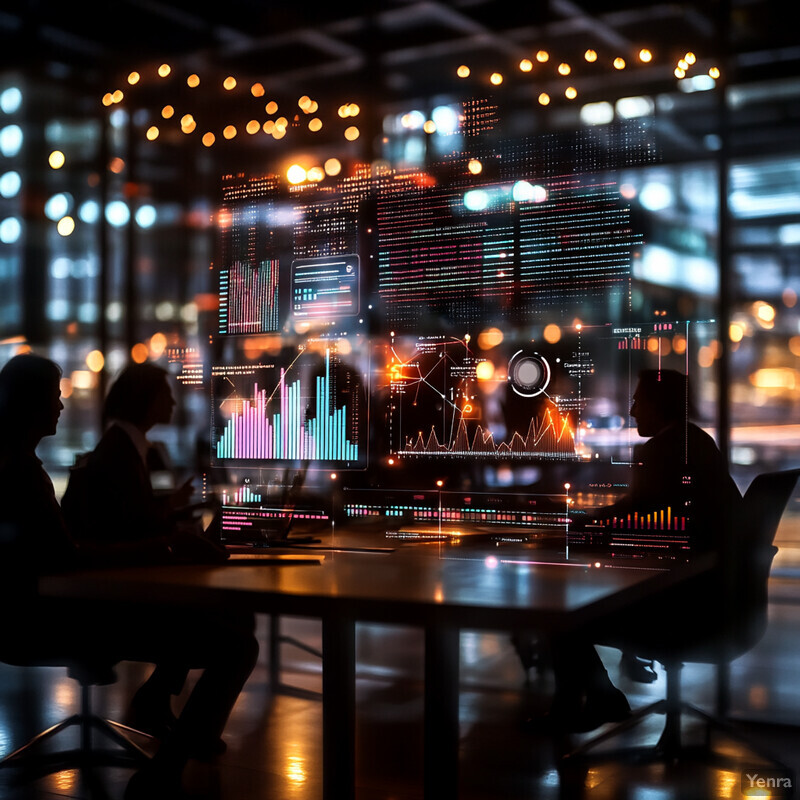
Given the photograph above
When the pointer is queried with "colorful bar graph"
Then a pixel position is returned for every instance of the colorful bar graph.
(248, 298)
(243, 495)
(252, 433)
(661, 519)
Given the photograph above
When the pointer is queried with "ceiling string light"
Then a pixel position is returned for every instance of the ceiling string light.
(540, 62)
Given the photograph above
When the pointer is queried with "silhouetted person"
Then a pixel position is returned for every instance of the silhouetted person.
(679, 467)
(110, 496)
(110, 500)
(34, 540)
(680, 473)
(33, 536)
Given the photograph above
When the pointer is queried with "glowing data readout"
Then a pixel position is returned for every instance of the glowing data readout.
(325, 287)
(305, 407)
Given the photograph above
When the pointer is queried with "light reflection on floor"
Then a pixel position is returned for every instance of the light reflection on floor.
(275, 740)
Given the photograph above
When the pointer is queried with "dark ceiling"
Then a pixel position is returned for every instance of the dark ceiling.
(405, 48)
(396, 53)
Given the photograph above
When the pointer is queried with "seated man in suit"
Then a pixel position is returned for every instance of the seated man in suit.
(110, 495)
(34, 540)
(681, 468)
(110, 500)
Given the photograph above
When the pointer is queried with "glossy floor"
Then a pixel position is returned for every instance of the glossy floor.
(274, 738)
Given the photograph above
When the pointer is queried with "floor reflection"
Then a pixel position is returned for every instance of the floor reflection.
(275, 739)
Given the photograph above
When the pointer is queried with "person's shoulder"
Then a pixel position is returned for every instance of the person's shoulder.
(699, 439)
(693, 429)
(682, 435)
(114, 439)
(17, 466)
(23, 481)
(115, 433)
(668, 438)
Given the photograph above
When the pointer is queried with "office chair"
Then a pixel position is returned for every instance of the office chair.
(764, 503)
(34, 758)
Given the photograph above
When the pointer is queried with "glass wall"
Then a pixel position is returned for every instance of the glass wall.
(111, 253)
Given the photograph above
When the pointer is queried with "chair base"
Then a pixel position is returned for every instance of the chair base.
(529, 652)
(30, 756)
(670, 748)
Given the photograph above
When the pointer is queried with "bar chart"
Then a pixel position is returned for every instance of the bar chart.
(248, 298)
(289, 413)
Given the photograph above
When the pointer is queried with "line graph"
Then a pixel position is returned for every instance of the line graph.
(439, 405)
(549, 435)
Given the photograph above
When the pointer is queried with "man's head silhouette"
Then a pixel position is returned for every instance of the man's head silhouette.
(661, 397)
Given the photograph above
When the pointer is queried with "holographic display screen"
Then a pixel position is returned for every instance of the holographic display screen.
(431, 513)
(511, 253)
(307, 407)
(492, 396)
(325, 287)
(481, 322)
(255, 512)
(248, 298)
(449, 399)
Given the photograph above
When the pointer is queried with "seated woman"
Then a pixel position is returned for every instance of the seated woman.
(681, 468)
(34, 540)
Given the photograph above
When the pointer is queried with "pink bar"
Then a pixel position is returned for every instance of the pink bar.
(246, 430)
(260, 420)
(283, 436)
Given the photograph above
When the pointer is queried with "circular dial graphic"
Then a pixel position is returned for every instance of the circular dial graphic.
(528, 373)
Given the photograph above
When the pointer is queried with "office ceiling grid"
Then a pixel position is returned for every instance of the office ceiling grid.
(412, 46)
(395, 55)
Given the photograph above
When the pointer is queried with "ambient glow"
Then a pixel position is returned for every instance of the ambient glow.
(11, 139)
(57, 206)
(146, 216)
(597, 113)
(10, 100)
(476, 199)
(10, 230)
(117, 213)
(10, 184)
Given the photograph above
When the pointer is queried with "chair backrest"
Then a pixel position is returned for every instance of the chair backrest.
(764, 503)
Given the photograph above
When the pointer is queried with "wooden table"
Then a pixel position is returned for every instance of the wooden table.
(443, 589)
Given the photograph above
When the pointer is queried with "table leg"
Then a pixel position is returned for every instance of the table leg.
(274, 652)
(338, 708)
(441, 733)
